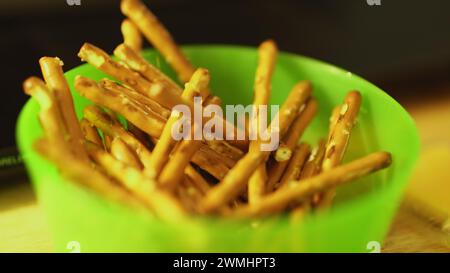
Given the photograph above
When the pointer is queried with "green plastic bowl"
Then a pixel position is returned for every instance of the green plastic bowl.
(363, 210)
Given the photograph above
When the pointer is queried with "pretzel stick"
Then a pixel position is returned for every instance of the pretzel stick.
(295, 165)
(109, 127)
(54, 77)
(80, 172)
(335, 114)
(107, 140)
(211, 162)
(90, 132)
(123, 153)
(49, 114)
(117, 102)
(164, 205)
(311, 168)
(138, 134)
(148, 71)
(338, 138)
(156, 34)
(102, 61)
(314, 163)
(143, 101)
(233, 182)
(227, 150)
(295, 132)
(199, 81)
(173, 172)
(267, 52)
(131, 35)
(197, 179)
(292, 106)
(278, 200)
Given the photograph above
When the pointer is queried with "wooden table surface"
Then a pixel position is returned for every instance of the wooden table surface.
(23, 227)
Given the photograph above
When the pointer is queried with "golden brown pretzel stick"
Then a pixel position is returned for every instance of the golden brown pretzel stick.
(314, 164)
(131, 35)
(295, 132)
(151, 124)
(257, 184)
(102, 61)
(226, 150)
(312, 167)
(138, 134)
(213, 100)
(49, 114)
(233, 183)
(292, 106)
(333, 119)
(81, 172)
(212, 162)
(173, 171)
(54, 77)
(109, 127)
(295, 165)
(197, 179)
(199, 81)
(278, 200)
(138, 98)
(339, 136)
(164, 205)
(107, 140)
(299, 125)
(147, 70)
(122, 152)
(90, 132)
(267, 52)
(156, 34)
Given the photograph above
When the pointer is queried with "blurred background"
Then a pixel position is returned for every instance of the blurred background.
(403, 46)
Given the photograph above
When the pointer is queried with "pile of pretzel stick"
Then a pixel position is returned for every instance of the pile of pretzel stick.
(123, 147)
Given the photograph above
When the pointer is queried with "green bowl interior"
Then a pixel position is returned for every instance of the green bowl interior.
(362, 212)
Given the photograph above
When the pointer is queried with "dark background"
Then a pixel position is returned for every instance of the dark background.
(399, 45)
